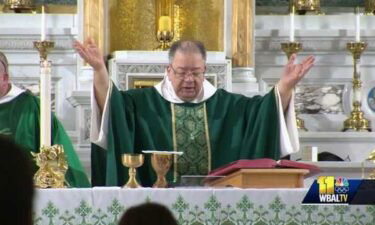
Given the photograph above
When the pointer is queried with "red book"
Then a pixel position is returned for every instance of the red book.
(263, 164)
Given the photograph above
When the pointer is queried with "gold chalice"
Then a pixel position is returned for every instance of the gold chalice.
(161, 164)
(132, 161)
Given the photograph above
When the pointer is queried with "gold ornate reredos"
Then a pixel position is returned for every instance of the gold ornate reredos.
(132, 23)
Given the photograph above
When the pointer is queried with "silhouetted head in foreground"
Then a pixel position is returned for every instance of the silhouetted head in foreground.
(16, 185)
(148, 214)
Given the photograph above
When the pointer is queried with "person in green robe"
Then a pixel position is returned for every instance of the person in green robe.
(184, 112)
(20, 119)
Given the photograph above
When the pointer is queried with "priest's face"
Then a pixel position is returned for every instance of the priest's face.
(186, 72)
(4, 82)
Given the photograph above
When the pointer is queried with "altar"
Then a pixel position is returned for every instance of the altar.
(230, 206)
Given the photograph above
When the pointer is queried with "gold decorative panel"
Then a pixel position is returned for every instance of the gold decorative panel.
(132, 23)
(50, 8)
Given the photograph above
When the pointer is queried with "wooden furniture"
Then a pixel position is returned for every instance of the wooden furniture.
(262, 178)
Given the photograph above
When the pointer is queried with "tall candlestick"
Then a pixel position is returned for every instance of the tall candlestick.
(357, 26)
(43, 25)
(45, 103)
(291, 35)
(165, 23)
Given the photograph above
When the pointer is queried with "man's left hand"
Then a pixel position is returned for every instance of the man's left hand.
(293, 73)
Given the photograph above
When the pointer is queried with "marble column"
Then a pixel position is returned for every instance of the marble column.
(243, 14)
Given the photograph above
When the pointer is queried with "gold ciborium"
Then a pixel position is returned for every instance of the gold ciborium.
(161, 164)
(132, 161)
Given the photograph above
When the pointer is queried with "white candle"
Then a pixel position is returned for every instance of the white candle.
(45, 103)
(357, 27)
(314, 154)
(291, 35)
(43, 25)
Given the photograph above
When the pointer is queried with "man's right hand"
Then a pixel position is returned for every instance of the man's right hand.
(92, 55)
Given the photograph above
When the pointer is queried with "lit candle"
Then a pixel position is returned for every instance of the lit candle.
(291, 35)
(357, 26)
(165, 23)
(45, 103)
(43, 25)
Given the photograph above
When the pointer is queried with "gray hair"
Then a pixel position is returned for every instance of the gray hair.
(187, 46)
(4, 62)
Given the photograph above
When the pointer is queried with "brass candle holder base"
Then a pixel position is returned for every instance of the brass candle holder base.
(291, 48)
(356, 121)
(165, 38)
(369, 7)
(371, 158)
(305, 6)
(132, 161)
(52, 167)
(44, 47)
(161, 164)
(18, 6)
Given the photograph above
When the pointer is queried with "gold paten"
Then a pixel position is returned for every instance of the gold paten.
(52, 167)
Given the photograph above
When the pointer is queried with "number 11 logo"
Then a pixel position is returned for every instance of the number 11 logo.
(326, 185)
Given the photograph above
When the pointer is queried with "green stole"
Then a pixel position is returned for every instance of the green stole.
(190, 136)
(220, 130)
(20, 120)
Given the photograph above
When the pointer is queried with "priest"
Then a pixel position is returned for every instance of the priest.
(184, 112)
(20, 119)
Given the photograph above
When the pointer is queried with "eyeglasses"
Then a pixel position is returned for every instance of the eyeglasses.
(184, 74)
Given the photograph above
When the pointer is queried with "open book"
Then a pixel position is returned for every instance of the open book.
(263, 164)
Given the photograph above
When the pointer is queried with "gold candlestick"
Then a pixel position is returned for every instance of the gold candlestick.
(291, 48)
(132, 161)
(164, 26)
(44, 47)
(370, 7)
(165, 38)
(371, 158)
(19, 6)
(52, 167)
(304, 6)
(357, 121)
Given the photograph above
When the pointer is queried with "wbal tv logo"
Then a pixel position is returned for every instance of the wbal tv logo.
(333, 190)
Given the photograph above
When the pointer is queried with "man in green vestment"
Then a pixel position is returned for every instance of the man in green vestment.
(184, 112)
(19, 118)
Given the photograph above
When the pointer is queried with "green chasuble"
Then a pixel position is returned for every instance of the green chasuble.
(224, 128)
(20, 120)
